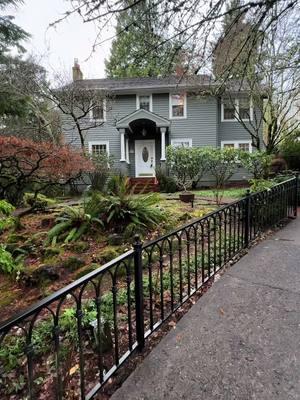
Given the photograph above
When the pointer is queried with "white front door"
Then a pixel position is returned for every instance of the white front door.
(144, 158)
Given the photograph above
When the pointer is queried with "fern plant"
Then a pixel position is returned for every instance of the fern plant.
(72, 224)
(124, 211)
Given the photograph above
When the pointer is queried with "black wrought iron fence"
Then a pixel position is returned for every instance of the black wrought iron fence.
(69, 344)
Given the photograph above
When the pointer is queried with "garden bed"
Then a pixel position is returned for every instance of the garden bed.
(48, 268)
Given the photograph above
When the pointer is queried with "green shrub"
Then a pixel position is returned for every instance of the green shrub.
(290, 150)
(167, 183)
(222, 164)
(6, 220)
(257, 163)
(258, 185)
(187, 165)
(7, 264)
(6, 208)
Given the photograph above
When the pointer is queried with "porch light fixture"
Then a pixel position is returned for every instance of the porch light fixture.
(144, 132)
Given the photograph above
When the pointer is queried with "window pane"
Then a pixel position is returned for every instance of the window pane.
(181, 143)
(244, 147)
(229, 109)
(98, 112)
(244, 108)
(98, 149)
(228, 145)
(177, 105)
(144, 102)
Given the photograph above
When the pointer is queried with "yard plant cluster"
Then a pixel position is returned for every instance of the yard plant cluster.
(53, 245)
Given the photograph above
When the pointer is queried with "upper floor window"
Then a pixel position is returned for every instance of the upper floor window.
(233, 109)
(177, 106)
(244, 145)
(98, 148)
(181, 142)
(144, 102)
(98, 111)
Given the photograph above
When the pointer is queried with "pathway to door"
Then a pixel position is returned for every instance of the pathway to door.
(240, 341)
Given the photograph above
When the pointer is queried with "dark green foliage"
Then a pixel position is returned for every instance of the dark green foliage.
(135, 50)
(290, 150)
(7, 263)
(257, 163)
(6, 219)
(167, 183)
(11, 35)
(122, 210)
(73, 223)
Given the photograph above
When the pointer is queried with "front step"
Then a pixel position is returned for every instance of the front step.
(144, 185)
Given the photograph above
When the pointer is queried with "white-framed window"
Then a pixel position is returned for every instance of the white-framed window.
(244, 145)
(144, 102)
(231, 109)
(98, 112)
(99, 147)
(177, 105)
(187, 142)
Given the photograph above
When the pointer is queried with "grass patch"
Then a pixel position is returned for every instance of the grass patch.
(233, 193)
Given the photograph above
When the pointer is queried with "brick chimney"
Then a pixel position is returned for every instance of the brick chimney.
(77, 73)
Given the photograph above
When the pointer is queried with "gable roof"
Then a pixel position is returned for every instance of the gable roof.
(157, 84)
(142, 114)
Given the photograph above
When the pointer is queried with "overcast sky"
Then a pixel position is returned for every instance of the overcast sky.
(59, 46)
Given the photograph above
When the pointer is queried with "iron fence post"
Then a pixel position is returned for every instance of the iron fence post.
(247, 218)
(296, 194)
(139, 295)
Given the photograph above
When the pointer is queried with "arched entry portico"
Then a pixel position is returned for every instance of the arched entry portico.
(144, 134)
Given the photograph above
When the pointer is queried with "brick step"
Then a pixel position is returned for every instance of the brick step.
(144, 185)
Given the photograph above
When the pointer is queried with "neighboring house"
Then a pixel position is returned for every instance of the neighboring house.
(148, 114)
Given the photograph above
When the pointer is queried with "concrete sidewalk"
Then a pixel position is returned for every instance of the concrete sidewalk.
(241, 340)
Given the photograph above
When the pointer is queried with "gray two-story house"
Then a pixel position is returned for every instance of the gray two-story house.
(148, 114)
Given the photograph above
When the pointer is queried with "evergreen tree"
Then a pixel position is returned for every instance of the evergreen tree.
(236, 49)
(138, 49)
(11, 35)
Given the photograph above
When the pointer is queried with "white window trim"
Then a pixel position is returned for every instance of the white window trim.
(190, 140)
(236, 143)
(99, 142)
(236, 104)
(138, 101)
(104, 113)
(184, 106)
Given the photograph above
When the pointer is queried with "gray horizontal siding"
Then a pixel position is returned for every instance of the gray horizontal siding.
(118, 108)
(201, 123)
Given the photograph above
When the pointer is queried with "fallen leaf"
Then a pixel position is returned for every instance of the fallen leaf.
(222, 312)
(74, 369)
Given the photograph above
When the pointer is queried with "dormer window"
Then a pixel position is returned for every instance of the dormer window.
(144, 102)
(177, 106)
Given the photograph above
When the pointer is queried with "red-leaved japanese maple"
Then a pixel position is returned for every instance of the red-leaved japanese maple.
(27, 165)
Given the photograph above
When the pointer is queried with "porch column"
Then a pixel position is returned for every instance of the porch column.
(127, 150)
(122, 137)
(163, 144)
